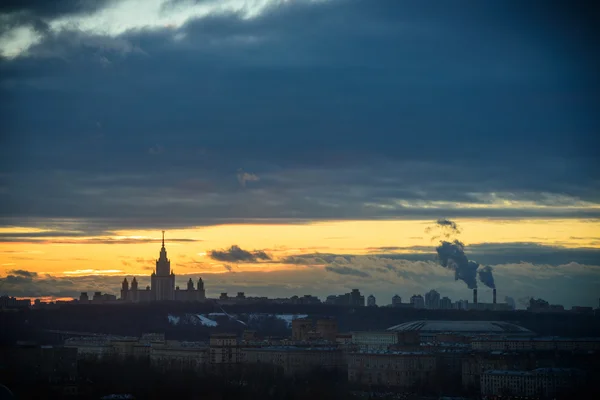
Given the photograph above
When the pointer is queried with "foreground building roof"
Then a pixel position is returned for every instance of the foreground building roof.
(464, 327)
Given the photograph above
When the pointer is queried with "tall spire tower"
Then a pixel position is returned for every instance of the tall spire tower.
(163, 282)
(163, 264)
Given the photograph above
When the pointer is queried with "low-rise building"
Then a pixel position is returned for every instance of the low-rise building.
(538, 343)
(90, 347)
(327, 329)
(301, 328)
(382, 340)
(179, 356)
(399, 369)
(295, 360)
(224, 349)
(542, 382)
(304, 329)
(30, 362)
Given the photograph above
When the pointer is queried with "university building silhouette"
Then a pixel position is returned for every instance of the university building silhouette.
(162, 285)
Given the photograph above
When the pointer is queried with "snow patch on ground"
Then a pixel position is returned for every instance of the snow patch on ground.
(206, 321)
(288, 318)
(173, 320)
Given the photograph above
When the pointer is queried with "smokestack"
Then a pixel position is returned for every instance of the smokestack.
(475, 296)
(494, 295)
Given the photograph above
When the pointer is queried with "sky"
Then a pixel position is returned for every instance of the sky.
(299, 147)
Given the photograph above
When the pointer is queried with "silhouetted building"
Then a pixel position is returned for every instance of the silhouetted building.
(100, 298)
(462, 305)
(432, 300)
(371, 301)
(162, 285)
(582, 309)
(354, 298)
(83, 298)
(396, 301)
(13, 302)
(445, 303)
(417, 301)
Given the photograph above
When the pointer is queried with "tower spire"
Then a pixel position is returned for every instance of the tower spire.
(163, 239)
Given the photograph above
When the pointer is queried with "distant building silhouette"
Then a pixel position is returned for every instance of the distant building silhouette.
(162, 285)
(354, 298)
(432, 300)
(371, 301)
(445, 303)
(83, 298)
(417, 301)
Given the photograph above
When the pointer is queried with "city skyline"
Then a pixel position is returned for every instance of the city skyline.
(259, 272)
(302, 147)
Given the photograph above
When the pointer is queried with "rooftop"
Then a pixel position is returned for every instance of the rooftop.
(495, 327)
(292, 348)
(394, 353)
(535, 371)
(540, 339)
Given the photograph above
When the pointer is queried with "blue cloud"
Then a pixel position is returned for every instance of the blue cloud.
(345, 110)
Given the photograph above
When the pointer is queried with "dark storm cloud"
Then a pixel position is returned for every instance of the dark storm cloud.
(44, 8)
(237, 254)
(37, 13)
(447, 224)
(15, 279)
(50, 237)
(391, 80)
(505, 253)
(23, 273)
(495, 253)
(347, 271)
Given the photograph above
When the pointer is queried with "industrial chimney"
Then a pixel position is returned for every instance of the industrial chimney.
(475, 296)
(494, 295)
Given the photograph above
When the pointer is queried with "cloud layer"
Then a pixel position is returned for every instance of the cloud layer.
(125, 115)
(568, 284)
(237, 254)
(397, 110)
